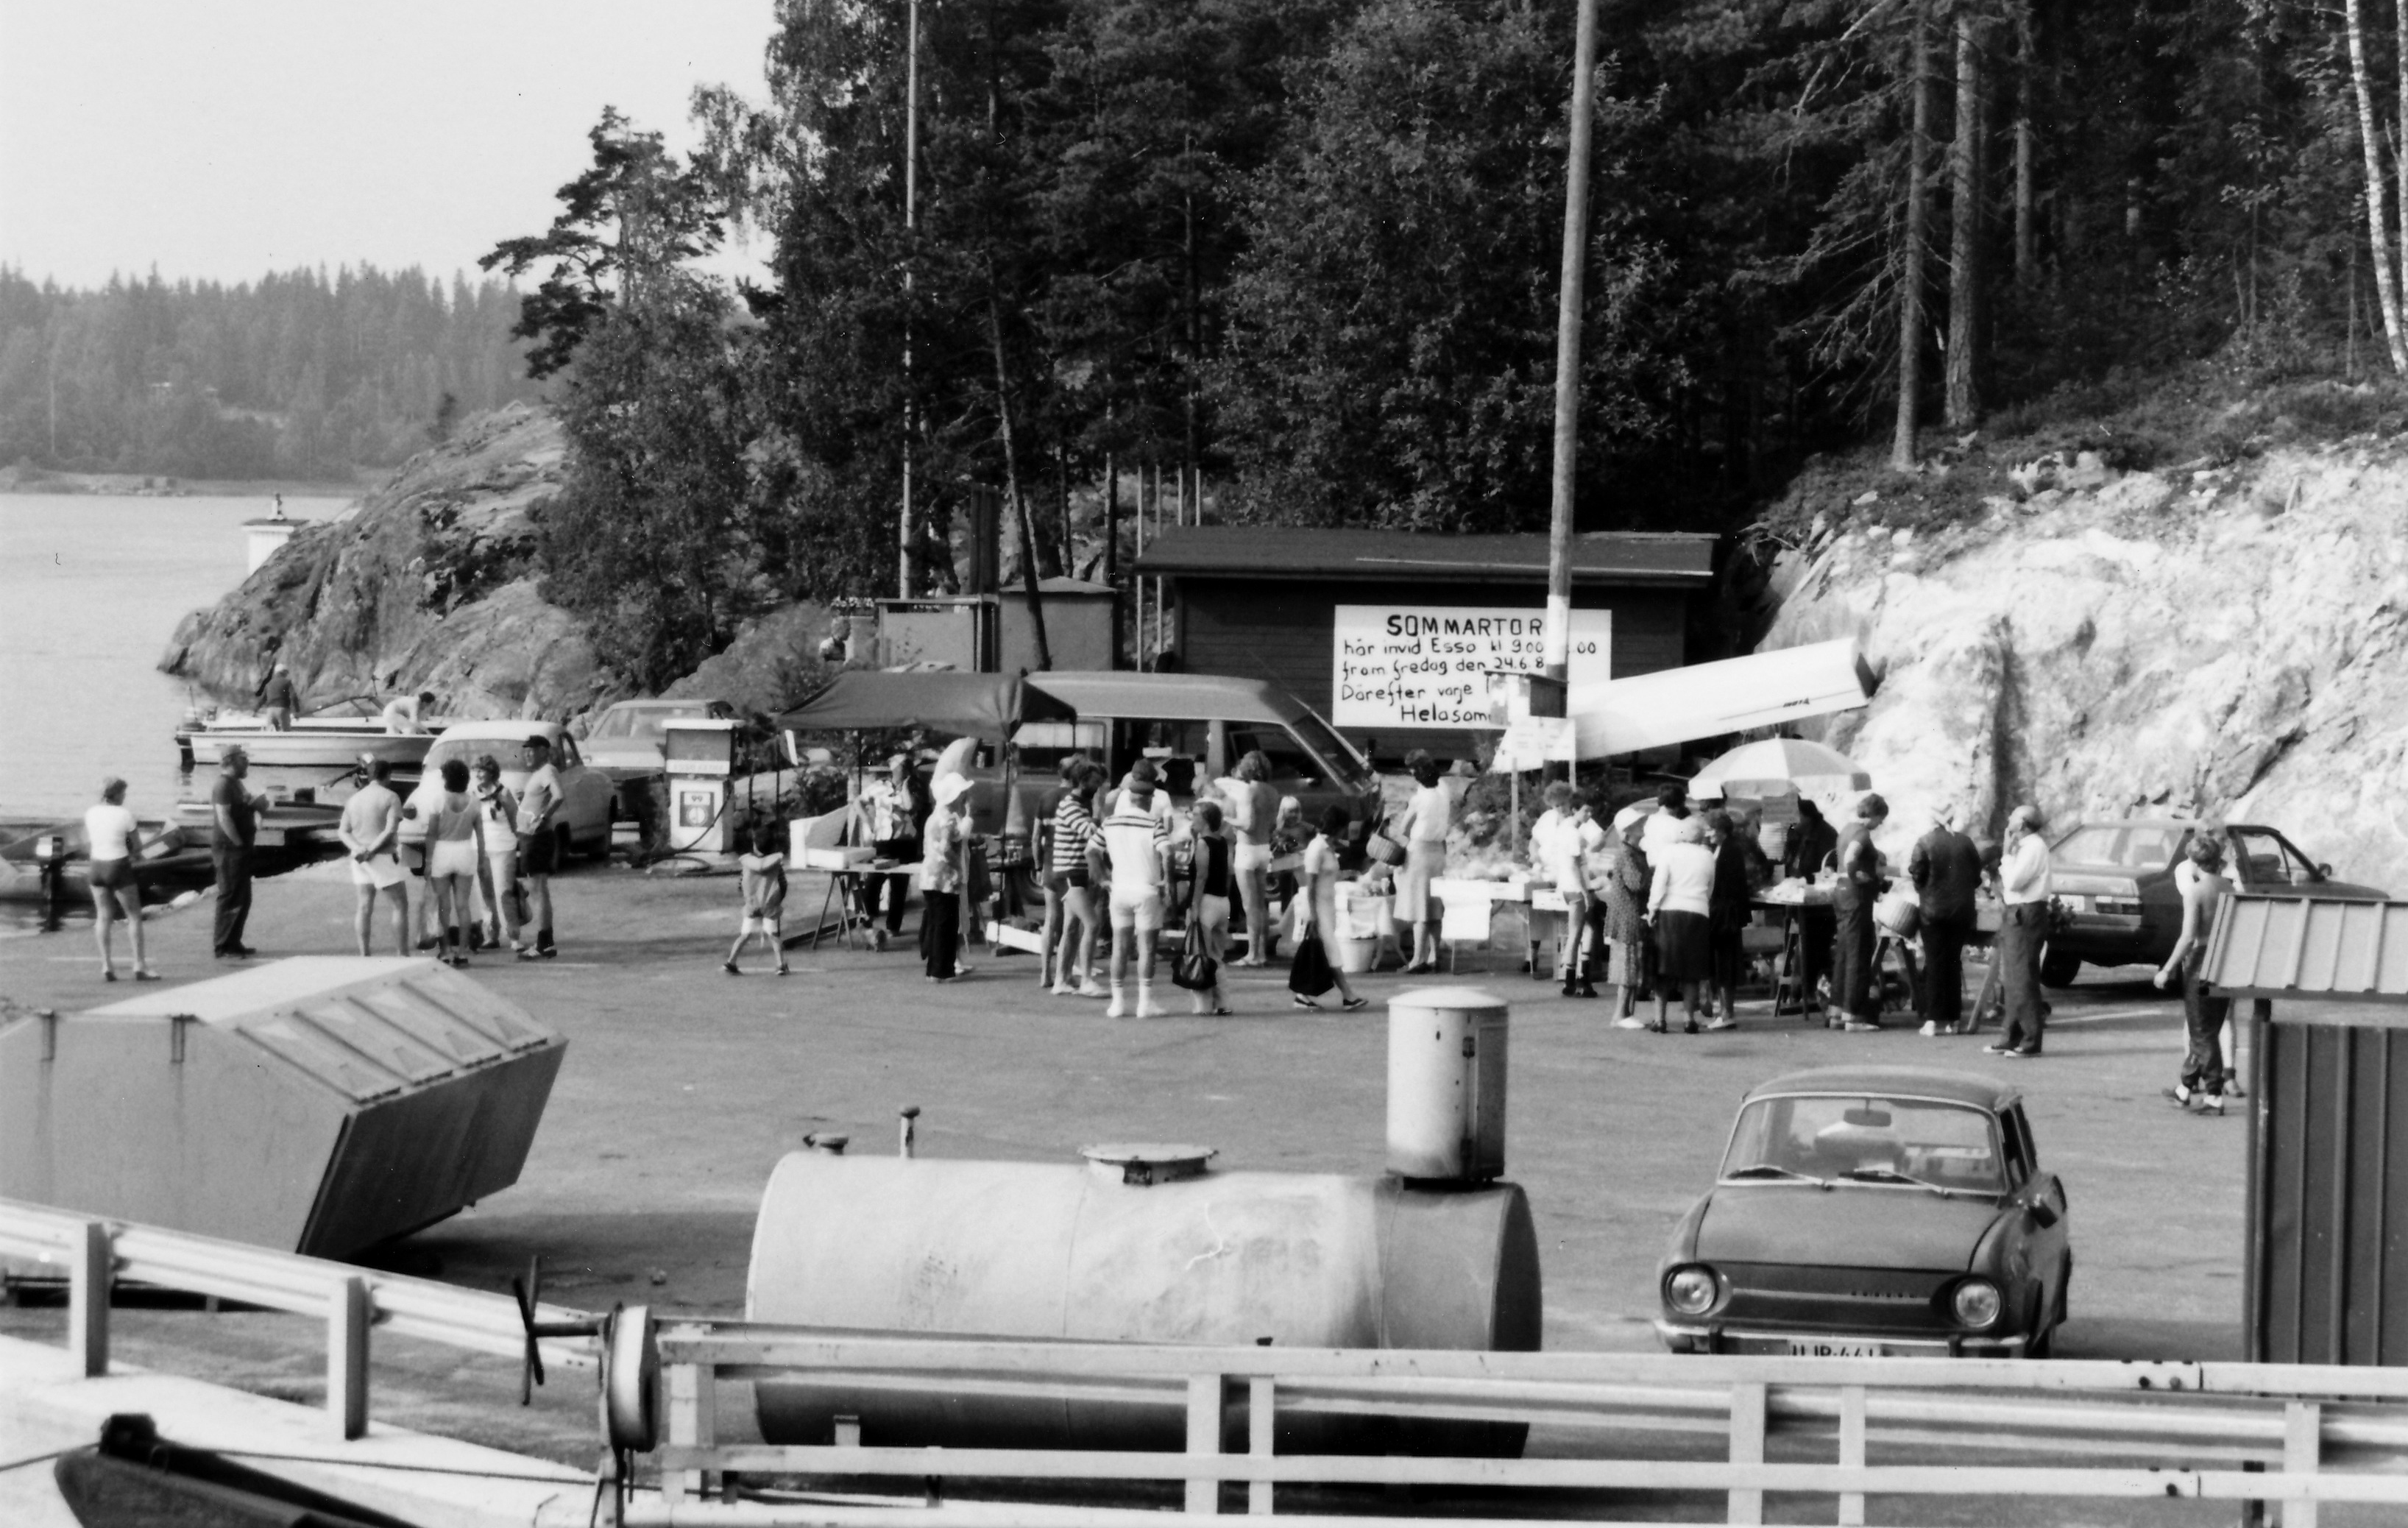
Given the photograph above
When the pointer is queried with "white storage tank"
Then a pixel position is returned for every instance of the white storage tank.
(1446, 1085)
(1140, 1244)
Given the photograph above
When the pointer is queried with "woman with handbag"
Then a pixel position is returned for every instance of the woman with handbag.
(1312, 971)
(1210, 882)
(1072, 879)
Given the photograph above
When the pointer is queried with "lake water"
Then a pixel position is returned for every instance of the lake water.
(92, 587)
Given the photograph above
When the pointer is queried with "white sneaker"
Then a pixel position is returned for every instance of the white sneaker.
(1119, 1008)
(1633, 1022)
(1148, 1008)
(1060, 990)
(1930, 1030)
(1089, 990)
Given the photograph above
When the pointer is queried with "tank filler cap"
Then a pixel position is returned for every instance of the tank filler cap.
(1146, 1163)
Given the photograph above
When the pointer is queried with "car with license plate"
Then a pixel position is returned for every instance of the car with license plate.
(1872, 1211)
(629, 740)
(2117, 880)
(582, 823)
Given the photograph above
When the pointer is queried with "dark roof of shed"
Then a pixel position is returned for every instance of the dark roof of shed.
(1893, 1082)
(1674, 558)
(2309, 948)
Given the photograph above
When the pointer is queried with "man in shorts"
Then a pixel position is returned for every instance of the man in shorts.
(1137, 837)
(371, 823)
(539, 846)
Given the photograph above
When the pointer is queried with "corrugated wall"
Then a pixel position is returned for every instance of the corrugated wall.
(2329, 1209)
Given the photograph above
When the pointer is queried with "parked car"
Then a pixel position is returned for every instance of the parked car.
(627, 742)
(583, 821)
(1867, 1211)
(2116, 879)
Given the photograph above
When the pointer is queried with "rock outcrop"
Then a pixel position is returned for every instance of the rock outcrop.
(429, 583)
(2231, 642)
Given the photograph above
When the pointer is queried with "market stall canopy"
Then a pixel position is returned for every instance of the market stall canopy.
(1780, 765)
(1708, 700)
(958, 705)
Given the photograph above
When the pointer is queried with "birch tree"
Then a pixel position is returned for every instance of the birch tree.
(2378, 210)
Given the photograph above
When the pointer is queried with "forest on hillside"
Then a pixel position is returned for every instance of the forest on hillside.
(298, 375)
(1307, 251)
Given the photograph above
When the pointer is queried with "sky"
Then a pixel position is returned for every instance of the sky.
(223, 140)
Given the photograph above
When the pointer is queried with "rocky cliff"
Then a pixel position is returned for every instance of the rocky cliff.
(2229, 641)
(427, 583)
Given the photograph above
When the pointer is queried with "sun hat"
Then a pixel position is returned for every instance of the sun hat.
(951, 788)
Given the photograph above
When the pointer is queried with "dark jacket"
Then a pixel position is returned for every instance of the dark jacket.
(1945, 868)
(1810, 845)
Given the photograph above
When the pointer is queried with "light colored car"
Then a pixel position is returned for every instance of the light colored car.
(1864, 1212)
(626, 741)
(583, 821)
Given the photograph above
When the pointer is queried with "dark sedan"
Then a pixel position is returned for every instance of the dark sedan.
(1869, 1211)
(2117, 880)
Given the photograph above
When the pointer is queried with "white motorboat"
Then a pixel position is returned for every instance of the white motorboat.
(330, 737)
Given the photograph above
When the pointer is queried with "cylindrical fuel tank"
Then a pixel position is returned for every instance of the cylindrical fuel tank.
(1446, 1084)
(1030, 1249)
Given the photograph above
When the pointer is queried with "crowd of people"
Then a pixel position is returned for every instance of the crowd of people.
(1657, 899)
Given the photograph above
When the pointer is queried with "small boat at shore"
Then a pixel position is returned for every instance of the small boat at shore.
(330, 737)
(170, 864)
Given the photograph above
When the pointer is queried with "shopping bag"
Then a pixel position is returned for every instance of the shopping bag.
(1195, 969)
(1309, 975)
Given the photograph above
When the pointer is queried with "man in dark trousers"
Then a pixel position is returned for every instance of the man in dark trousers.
(1811, 842)
(238, 826)
(1856, 987)
(1945, 867)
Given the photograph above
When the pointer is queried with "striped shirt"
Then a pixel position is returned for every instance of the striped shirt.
(1137, 834)
(1074, 828)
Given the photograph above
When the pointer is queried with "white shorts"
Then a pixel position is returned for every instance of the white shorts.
(1136, 907)
(1245, 855)
(378, 870)
(452, 857)
(1212, 912)
(759, 925)
(504, 868)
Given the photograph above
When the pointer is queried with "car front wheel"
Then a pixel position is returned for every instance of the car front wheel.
(2058, 967)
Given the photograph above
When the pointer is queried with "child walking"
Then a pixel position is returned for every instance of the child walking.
(764, 876)
(1210, 885)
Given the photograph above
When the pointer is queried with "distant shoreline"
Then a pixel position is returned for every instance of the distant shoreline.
(156, 485)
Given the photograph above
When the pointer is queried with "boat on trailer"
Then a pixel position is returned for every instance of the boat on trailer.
(330, 737)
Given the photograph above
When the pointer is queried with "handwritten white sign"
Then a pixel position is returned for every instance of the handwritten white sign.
(1394, 666)
(1533, 742)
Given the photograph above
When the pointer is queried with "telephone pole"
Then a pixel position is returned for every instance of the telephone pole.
(1556, 652)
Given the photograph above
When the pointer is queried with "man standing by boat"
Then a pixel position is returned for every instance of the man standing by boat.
(538, 848)
(276, 701)
(371, 820)
(238, 826)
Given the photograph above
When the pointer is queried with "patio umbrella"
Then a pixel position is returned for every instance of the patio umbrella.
(1779, 766)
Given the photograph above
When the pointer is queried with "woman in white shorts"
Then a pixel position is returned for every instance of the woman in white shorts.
(1253, 806)
(497, 816)
(114, 841)
(454, 846)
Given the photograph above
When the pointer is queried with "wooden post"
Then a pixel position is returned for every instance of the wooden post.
(348, 1315)
(2303, 1452)
(1852, 1449)
(90, 1268)
(694, 1423)
(1203, 1438)
(1746, 1448)
(1261, 1399)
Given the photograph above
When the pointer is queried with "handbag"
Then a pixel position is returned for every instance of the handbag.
(1309, 975)
(1195, 969)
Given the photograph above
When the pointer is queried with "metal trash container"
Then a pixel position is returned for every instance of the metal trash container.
(318, 1106)
(1446, 1084)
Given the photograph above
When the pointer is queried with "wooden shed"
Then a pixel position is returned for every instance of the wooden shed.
(1386, 632)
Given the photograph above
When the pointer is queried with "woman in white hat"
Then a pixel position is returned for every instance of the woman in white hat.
(941, 877)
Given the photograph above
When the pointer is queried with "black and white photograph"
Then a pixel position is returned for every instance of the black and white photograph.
(1056, 763)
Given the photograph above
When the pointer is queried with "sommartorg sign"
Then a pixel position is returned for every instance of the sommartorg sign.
(1421, 665)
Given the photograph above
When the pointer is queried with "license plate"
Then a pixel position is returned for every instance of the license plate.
(1808, 1347)
(2075, 904)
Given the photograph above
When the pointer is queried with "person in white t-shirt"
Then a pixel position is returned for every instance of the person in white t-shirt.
(370, 826)
(1136, 838)
(114, 839)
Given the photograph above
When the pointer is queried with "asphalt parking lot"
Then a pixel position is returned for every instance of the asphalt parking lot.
(682, 1087)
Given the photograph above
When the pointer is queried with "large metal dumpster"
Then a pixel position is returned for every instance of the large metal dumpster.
(2326, 989)
(318, 1104)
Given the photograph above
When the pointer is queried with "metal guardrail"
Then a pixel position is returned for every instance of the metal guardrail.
(2244, 1433)
(97, 1253)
